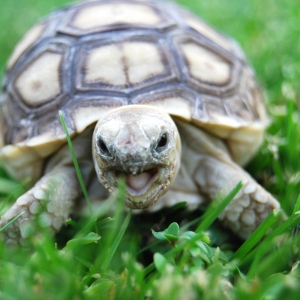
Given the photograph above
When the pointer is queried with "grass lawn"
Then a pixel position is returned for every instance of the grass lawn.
(116, 256)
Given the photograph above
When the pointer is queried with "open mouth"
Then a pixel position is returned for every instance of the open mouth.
(138, 184)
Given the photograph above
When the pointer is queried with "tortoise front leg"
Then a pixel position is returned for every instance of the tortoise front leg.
(249, 207)
(48, 204)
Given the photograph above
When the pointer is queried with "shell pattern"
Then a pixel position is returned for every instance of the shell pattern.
(98, 55)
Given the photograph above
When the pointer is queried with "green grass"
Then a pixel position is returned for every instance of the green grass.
(116, 256)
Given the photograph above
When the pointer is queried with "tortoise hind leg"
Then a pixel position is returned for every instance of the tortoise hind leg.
(249, 207)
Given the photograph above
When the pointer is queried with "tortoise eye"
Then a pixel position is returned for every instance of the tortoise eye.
(162, 142)
(103, 148)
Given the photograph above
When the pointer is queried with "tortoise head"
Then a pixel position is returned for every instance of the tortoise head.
(140, 144)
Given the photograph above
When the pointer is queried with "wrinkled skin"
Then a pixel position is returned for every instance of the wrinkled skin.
(141, 145)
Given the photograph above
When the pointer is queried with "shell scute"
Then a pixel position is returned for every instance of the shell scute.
(125, 64)
(102, 16)
(40, 82)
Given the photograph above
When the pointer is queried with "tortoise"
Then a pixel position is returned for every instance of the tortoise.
(150, 93)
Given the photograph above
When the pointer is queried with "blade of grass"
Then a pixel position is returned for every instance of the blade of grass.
(291, 131)
(186, 226)
(151, 245)
(213, 212)
(285, 227)
(13, 220)
(297, 205)
(279, 173)
(78, 172)
(92, 221)
(118, 216)
(116, 242)
(271, 263)
(104, 221)
(256, 236)
(296, 210)
(114, 237)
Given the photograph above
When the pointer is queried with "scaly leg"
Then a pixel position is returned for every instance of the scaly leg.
(49, 202)
(51, 199)
(249, 207)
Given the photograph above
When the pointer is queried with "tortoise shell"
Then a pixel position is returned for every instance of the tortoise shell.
(97, 55)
